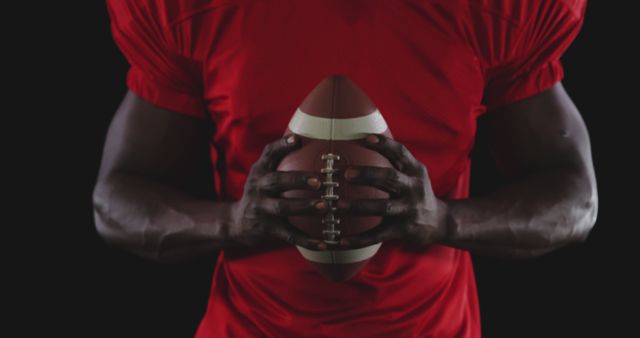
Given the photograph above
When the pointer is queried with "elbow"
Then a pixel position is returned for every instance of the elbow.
(587, 213)
(101, 213)
(580, 226)
(105, 225)
(582, 213)
(587, 222)
(572, 229)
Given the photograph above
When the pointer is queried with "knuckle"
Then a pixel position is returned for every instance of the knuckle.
(394, 208)
(268, 182)
(394, 147)
(418, 188)
(422, 169)
(413, 167)
(256, 168)
(411, 208)
(391, 175)
(256, 209)
(259, 186)
(252, 189)
(269, 149)
(389, 208)
(277, 207)
(270, 163)
(402, 149)
(407, 184)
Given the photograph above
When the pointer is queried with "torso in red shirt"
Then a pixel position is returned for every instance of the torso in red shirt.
(431, 67)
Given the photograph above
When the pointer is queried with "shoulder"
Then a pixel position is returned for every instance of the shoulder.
(165, 13)
(519, 12)
(500, 30)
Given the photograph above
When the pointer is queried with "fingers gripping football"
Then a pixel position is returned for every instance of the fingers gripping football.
(261, 214)
(412, 212)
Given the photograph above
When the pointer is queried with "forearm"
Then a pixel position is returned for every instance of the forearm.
(158, 222)
(526, 218)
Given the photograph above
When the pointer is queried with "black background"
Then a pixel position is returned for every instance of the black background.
(585, 290)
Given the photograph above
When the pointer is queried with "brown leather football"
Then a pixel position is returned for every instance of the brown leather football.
(328, 121)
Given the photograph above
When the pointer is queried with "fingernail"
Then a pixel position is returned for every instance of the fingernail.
(351, 173)
(313, 182)
(321, 205)
(291, 139)
(372, 138)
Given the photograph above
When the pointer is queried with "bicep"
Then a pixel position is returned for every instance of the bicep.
(147, 140)
(544, 131)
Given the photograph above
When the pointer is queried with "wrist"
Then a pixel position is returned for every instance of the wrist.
(219, 221)
(230, 222)
(447, 222)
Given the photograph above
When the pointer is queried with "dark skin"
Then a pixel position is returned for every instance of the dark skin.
(540, 145)
(152, 203)
(152, 197)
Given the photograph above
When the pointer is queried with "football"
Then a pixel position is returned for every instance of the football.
(335, 114)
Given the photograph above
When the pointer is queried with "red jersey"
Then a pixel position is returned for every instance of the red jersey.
(431, 67)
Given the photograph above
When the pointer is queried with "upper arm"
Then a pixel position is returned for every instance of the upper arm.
(160, 129)
(532, 123)
(162, 70)
(147, 140)
(544, 131)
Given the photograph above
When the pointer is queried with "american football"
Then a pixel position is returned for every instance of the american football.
(329, 120)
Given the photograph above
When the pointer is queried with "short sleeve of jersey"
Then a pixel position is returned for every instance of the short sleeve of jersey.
(523, 55)
(158, 73)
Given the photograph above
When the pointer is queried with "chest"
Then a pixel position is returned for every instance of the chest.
(263, 57)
